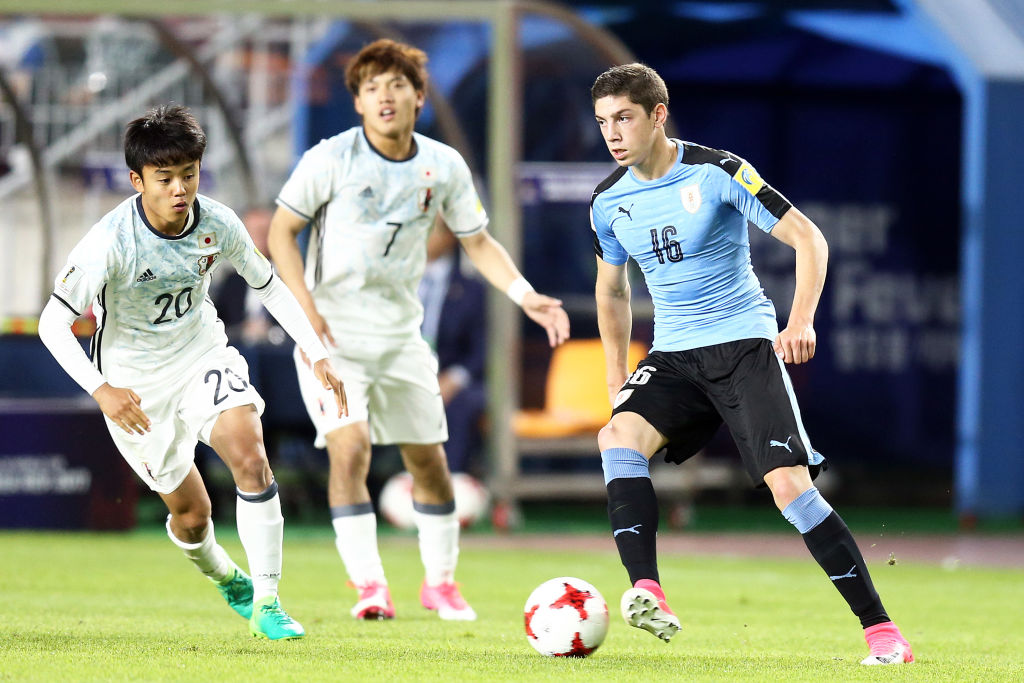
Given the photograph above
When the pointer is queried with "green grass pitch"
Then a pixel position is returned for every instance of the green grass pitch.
(90, 607)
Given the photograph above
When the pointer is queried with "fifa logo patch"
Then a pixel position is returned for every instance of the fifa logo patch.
(206, 262)
(748, 178)
(691, 197)
(70, 280)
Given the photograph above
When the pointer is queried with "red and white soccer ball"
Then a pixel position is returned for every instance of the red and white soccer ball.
(471, 500)
(565, 617)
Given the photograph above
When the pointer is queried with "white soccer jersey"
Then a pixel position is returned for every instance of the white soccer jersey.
(149, 290)
(371, 217)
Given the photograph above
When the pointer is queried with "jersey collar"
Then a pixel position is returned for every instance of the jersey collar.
(679, 160)
(190, 223)
(415, 149)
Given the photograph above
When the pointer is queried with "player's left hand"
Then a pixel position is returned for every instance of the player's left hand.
(796, 343)
(325, 374)
(549, 314)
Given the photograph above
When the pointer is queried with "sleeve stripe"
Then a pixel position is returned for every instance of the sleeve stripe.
(773, 200)
(269, 280)
(293, 209)
(473, 231)
(70, 308)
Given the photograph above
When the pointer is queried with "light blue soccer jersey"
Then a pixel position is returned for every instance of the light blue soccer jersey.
(688, 233)
(149, 290)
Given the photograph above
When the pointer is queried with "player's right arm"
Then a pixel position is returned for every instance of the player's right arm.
(285, 227)
(122, 405)
(614, 315)
(614, 322)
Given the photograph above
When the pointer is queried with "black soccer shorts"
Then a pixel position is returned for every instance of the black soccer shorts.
(686, 395)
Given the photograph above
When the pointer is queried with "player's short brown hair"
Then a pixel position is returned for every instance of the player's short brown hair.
(387, 55)
(639, 82)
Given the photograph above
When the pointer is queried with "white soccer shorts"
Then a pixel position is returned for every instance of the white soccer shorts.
(183, 407)
(392, 386)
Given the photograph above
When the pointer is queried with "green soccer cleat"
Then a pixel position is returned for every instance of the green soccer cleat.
(237, 592)
(273, 623)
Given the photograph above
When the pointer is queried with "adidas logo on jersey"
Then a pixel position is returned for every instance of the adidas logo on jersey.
(146, 276)
(367, 192)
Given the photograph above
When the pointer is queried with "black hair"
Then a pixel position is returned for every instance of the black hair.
(163, 136)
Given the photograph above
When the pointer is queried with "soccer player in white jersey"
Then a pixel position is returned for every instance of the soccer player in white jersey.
(680, 211)
(372, 194)
(161, 370)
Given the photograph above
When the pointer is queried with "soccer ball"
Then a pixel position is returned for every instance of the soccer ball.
(471, 500)
(565, 617)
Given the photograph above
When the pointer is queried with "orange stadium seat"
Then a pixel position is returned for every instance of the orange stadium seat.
(576, 398)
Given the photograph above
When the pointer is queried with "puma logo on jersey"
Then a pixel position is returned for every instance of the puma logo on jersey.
(773, 442)
(625, 211)
(631, 529)
(367, 192)
(147, 276)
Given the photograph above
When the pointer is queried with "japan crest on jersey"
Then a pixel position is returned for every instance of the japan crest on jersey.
(205, 262)
(691, 197)
(426, 195)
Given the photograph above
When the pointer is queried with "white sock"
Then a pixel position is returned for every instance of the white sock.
(439, 541)
(355, 528)
(207, 555)
(261, 530)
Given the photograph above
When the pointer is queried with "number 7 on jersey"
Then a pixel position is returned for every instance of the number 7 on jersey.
(397, 227)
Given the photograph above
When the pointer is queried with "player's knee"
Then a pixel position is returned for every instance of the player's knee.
(191, 525)
(786, 484)
(342, 447)
(251, 467)
(610, 436)
(349, 464)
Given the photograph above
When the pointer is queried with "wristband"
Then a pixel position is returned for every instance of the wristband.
(518, 289)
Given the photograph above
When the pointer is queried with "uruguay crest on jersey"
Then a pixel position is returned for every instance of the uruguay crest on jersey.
(687, 231)
(691, 197)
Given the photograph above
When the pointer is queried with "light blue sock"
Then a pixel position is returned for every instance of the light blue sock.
(807, 511)
(624, 463)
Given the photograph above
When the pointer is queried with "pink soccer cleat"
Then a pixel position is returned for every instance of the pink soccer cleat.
(374, 602)
(644, 606)
(447, 600)
(887, 644)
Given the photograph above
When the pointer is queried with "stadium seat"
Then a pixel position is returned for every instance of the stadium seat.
(576, 398)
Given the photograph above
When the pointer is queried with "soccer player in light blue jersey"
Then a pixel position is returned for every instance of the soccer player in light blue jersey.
(161, 369)
(372, 194)
(680, 211)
